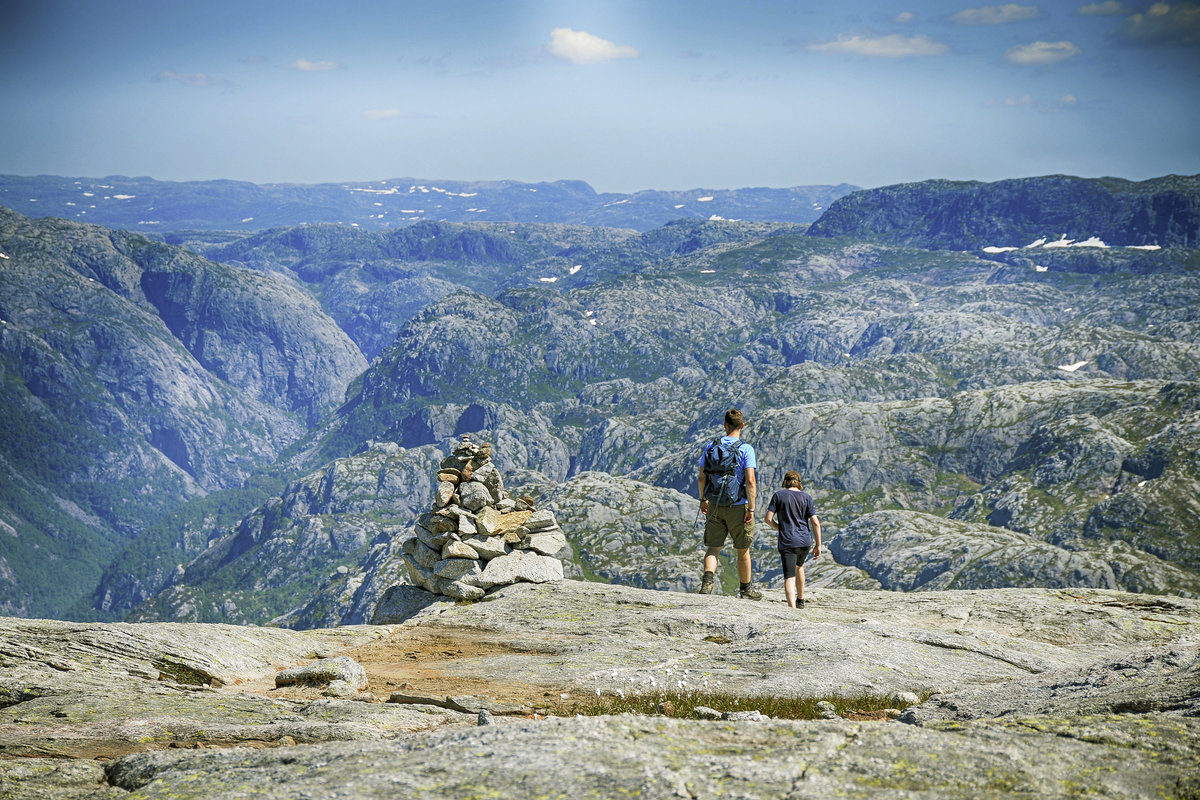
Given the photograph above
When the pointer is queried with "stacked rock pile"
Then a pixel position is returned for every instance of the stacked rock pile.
(476, 537)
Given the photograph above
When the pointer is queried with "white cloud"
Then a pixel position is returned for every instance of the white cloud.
(1069, 100)
(1024, 100)
(189, 78)
(890, 46)
(905, 16)
(1164, 24)
(1101, 9)
(580, 47)
(1042, 53)
(996, 15)
(304, 65)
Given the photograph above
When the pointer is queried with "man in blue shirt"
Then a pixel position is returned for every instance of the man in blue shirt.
(735, 519)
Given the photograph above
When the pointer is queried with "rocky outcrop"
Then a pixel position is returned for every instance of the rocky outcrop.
(624, 531)
(476, 537)
(1032, 689)
(322, 552)
(134, 369)
(970, 215)
(907, 551)
(1032, 470)
(1163, 679)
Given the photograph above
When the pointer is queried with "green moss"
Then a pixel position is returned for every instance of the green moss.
(182, 673)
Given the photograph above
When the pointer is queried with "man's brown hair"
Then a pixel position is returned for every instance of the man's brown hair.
(791, 480)
(733, 420)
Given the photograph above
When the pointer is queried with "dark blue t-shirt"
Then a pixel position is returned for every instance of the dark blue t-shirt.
(792, 509)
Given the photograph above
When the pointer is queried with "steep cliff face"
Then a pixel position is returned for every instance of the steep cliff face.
(136, 375)
(970, 215)
(317, 535)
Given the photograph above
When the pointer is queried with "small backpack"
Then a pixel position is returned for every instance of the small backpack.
(720, 468)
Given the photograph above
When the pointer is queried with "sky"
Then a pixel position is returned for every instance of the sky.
(624, 94)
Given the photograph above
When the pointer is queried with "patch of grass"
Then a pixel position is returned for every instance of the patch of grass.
(682, 704)
(182, 673)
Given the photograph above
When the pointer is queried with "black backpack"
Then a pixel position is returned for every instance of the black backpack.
(720, 469)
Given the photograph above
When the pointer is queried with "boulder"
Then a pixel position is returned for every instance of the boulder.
(519, 566)
(423, 555)
(548, 542)
(420, 576)
(457, 568)
(474, 495)
(459, 550)
(444, 493)
(490, 477)
(458, 590)
(540, 519)
(325, 671)
(488, 547)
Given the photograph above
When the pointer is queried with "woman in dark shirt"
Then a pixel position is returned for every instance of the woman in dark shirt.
(791, 512)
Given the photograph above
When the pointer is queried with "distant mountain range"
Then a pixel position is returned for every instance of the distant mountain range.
(238, 425)
(150, 206)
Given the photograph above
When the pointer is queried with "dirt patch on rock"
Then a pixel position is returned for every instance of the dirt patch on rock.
(423, 662)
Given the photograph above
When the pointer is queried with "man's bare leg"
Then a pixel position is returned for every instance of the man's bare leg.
(710, 559)
(743, 565)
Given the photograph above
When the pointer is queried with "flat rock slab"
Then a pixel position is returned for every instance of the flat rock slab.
(1109, 757)
(587, 636)
(1157, 679)
(188, 653)
(98, 724)
(1032, 685)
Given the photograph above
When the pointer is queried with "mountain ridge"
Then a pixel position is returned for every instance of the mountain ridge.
(136, 375)
(972, 215)
(151, 206)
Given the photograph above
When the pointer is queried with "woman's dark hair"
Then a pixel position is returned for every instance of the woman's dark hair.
(791, 480)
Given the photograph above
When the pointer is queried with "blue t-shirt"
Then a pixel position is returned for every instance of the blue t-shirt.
(792, 511)
(746, 460)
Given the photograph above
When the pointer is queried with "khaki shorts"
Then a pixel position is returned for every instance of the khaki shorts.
(728, 522)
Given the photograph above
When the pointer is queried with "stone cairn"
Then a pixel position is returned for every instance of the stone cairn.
(476, 537)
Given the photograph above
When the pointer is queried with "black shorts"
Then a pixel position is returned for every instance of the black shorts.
(792, 558)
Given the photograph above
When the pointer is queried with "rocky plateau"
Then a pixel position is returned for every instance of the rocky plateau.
(1026, 692)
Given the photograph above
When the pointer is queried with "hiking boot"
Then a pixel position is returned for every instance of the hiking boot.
(748, 592)
(706, 583)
